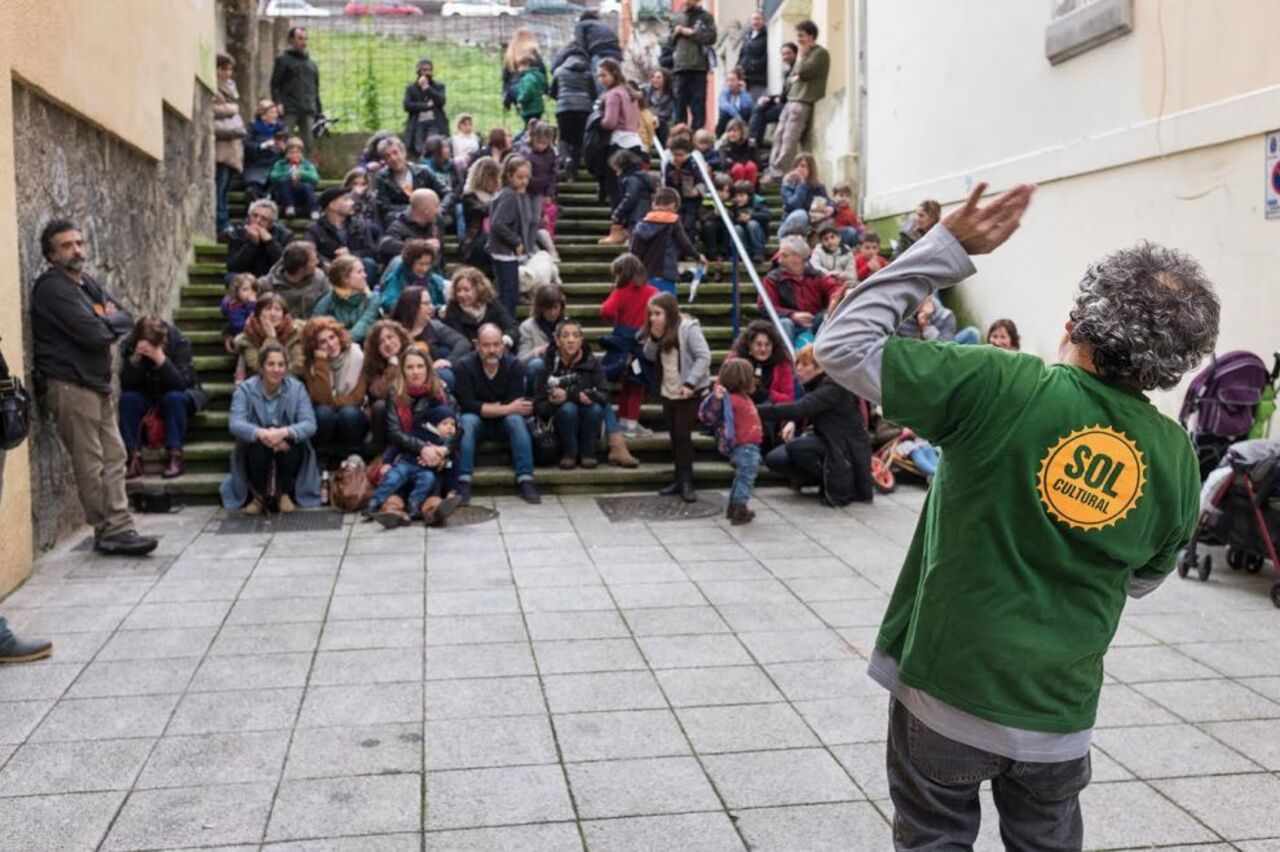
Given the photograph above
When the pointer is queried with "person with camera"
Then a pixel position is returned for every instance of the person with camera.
(571, 389)
(74, 324)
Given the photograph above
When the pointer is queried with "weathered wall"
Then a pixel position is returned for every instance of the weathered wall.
(138, 216)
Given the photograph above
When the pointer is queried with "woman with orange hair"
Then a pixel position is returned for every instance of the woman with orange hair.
(336, 384)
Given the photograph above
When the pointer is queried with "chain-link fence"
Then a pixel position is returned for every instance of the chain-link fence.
(366, 61)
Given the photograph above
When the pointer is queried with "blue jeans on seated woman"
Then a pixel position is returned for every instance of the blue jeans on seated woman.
(578, 428)
(511, 428)
(339, 431)
(176, 409)
(420, 480)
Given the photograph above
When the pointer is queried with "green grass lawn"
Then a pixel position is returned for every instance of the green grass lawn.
(361, 71)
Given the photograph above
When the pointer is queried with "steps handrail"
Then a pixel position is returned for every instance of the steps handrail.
(743, 254)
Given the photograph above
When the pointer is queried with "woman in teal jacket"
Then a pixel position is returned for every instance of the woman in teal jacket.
(349, 302)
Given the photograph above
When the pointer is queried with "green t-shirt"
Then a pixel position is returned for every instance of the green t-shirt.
(1055, 489)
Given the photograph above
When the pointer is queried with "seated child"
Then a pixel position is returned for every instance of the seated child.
(437, 425)
(729, 411)
(465, 142)
(237, 306)
(704, 141)
(659, 241)
(750, 214)
(738, 153)
(294, 180)
(715, 237)
(684, 178)
(846, 216)
(869, 260)
(831, 256)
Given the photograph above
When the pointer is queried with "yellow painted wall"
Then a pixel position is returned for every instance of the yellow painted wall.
(117, 63)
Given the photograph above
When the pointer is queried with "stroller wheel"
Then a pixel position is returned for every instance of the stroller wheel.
(1185, 561)
(1235, 559)
(1253, 563)
(1206, 565)
(1275, 594)
(882, 476)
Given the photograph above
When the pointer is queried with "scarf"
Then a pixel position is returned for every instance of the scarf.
(345, 370)
(257, 333)
(404, 404)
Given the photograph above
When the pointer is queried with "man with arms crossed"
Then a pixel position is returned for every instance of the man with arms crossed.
(1061, 490)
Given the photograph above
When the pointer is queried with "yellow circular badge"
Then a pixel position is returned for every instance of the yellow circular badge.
(1092, 478)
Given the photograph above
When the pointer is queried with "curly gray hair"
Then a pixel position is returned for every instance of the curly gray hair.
(1149, 313)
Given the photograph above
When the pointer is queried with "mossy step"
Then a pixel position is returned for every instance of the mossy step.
(210, 364)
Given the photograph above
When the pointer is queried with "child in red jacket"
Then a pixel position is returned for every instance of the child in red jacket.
(728, 410)
(627, 307)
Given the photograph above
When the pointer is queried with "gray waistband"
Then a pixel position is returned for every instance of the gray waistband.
(1013, 743)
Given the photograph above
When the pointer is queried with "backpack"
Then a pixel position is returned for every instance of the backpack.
(349, 489)
(595, 143)
(15, 409)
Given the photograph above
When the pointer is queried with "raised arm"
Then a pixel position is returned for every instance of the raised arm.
(850, 345)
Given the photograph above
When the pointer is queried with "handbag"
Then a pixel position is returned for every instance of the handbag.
(153, 428)
(546, 443)
(350, 489)
(15, 409)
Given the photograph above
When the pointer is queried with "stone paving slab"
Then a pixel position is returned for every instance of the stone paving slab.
(549, 680)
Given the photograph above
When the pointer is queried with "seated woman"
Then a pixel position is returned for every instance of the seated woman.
(415, 267)
(571, 389)
(441, 343)
(270, 323)
(273, 467)
(156, 371)
(349, 302)
(384, 351)
(834, 453)
(335, 382)
(761, 345)
(538, 331)
(800, 187)
(473, 302)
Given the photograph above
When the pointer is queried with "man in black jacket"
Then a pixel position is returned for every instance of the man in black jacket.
(295, 85)
(419, 221)
(339, 232)
(596, 38)
(398, 179)
(753, 57)
(490, 392)
(256, 246)
(74, 324)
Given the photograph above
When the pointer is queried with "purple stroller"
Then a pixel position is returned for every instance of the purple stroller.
(1220, 404)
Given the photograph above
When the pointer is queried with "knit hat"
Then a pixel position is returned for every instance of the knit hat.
(331, 195)
(437, 414)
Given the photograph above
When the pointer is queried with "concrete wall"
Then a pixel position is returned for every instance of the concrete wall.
(1156, 135)
(128, 82)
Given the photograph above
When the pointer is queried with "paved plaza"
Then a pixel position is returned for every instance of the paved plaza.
(553, 680)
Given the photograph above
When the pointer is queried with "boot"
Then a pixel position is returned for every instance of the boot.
(674, 488)
(428, 510)
(447, 507)
(286, 504)
(618, 236)
(687, 494)
(619, 454)
(392, 514)
(589, 462)
(739, 514)
(134, 470)
(175, 467)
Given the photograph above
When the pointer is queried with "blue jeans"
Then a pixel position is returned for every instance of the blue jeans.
(666, 285)
(512, 428)
(302, 197)
(421, 481)
(753, 238)
(611, 426)
(176, 409)
(531, 371)
(925, 457)
(745, 459)
(578, 427)
(222, 182)
(968, 336)
(339, 431)
(445, 374)
(795, 222)
(506, 274)
(801, 337)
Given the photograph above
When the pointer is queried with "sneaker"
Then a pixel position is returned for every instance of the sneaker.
(464, 493)
(635, 430)
(529, 492)
(290, 213)
(15, 650)
(127, 543)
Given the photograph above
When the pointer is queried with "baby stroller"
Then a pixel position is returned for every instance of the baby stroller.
(1241, 508)
(1227, 401)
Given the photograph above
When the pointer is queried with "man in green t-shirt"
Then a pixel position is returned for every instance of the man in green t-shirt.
(1061, 490)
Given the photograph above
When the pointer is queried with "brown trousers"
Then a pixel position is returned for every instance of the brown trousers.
(792, 124)
(86, 421)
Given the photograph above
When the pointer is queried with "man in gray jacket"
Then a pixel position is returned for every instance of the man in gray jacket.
(295, 85)
(74, 324)
(692, 31)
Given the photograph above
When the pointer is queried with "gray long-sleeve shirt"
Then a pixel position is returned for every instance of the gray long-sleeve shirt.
(72, 331)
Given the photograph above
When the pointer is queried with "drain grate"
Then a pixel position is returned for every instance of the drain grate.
(465, 516)
(654, 508)
(319, 520)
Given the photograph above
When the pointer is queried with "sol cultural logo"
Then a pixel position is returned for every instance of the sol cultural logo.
(1092, 478)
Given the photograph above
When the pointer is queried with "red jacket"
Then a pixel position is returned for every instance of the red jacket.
(810, 292)
(628, 305)
(747, 428)
(782, 383)
(863, 266)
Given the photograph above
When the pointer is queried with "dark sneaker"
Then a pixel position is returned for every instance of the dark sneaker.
(447, 507)
(464, 493)
(15, 650)
(127, 543)
(529, 492)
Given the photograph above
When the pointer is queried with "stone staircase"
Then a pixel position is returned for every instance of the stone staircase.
(584, 269)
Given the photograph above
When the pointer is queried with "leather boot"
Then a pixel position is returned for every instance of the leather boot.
(392, 514)
(428, 510)
(676, 487)
(175, 467)
(618, 236)
(739, 514)
(687, 494)
(619, 454)
(134, 469)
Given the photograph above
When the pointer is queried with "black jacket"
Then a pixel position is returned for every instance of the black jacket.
(586, 376)
(327, 240)
(400, 231)
(391, 199)
(473, 388)
(660, 245)
(295, 83)
(573, 85)
(469, 327)
(597, 38)
(416, 100)
(836, 417)
(445, 342)
(177, 373)
(397, 436)
(637, 195)
(753, 58)
(244, 255)
(71, 332)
